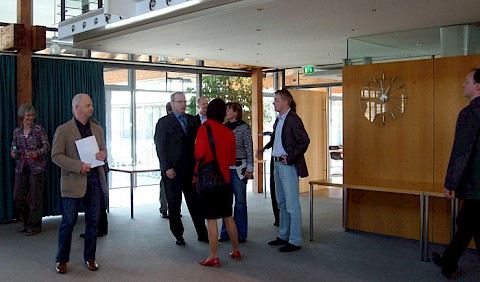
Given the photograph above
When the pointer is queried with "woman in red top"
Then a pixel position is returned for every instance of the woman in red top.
(216, 204)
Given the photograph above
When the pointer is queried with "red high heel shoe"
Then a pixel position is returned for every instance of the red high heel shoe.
(213, 262)
(236, 255)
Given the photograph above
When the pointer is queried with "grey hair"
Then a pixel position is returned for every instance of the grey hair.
(172, 97)
(25, 108)
(76, 99)
(201, 98)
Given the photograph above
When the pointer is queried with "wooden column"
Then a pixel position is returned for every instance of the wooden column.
(24, 55)
(257, 125)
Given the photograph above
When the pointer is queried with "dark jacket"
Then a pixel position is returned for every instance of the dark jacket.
(175, 148)
(198, 121)
(463, 173)
(295, 142)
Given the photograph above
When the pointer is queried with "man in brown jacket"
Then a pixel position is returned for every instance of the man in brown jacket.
(79, 183)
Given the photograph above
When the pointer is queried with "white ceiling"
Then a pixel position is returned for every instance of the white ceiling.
(276, 33)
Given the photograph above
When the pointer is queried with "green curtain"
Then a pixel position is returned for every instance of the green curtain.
(8, 92)
(54, 83)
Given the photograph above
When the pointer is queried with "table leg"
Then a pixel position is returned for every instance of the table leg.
(424, 222)
(131, 194)
(345, 208)
(311, 212)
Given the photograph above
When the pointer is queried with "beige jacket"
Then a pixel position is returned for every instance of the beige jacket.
(65, 155)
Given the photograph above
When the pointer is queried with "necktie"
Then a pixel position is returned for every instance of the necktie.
(183, 123)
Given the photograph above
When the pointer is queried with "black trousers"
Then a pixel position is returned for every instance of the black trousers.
(28, 197)
(103, 221)
(174, 189)
(468, 223)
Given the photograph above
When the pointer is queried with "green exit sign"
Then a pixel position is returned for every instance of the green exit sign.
(308, 69)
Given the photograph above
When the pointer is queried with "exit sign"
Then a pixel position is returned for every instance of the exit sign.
(308, 69)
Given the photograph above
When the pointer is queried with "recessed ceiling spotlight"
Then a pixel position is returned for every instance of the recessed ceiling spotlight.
(258, 54)
(178, 44)
(329, 54)
(187, 54)
(221, 49)
(259, 29)
(375, 10)
(259, 9)
(354, 29)
(419, 44)
(259, 43)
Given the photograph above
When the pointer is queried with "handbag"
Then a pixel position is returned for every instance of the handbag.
(209, 176)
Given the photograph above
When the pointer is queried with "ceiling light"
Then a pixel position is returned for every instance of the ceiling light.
(163, 59)
(55, 49)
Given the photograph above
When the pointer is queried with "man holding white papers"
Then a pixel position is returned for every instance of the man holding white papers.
(79, 183)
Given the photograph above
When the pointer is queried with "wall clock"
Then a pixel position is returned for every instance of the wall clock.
(383, 99)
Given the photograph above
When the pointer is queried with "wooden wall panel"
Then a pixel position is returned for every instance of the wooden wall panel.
(402, 150)
(384, 213)
(439, 225)
(449, 101)
(449, 74)
(414, 148)
(311, 107)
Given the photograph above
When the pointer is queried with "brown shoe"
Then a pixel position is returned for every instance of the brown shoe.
(61, 267)
(91, 265)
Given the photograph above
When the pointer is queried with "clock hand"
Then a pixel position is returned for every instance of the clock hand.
(381, 87)
(388, 88)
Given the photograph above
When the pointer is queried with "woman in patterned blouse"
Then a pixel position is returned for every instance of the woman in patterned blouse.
(29, 146)
(240, 172)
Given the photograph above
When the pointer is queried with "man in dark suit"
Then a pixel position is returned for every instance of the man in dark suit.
(463, 177)
(289, 142)
(175, 144)
(202, 105)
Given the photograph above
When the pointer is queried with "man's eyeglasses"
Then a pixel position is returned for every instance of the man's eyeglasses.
(181, 101)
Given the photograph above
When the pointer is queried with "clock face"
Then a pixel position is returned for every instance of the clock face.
(383, 99)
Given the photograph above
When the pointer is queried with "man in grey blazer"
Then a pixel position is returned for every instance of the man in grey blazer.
(289, 143)
(79, 183)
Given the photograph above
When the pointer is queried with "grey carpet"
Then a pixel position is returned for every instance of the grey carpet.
(143, 249)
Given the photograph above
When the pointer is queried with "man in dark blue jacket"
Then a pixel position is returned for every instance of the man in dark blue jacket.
(463, 177)
(175, 144)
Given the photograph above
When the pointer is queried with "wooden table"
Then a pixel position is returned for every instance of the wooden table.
(132, 170)
(387, 186)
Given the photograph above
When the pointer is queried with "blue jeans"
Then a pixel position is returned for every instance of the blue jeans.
(91, 204)
(286, 186)
(239, 189)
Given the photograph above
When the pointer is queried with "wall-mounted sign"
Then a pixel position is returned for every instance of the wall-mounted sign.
(308, 69)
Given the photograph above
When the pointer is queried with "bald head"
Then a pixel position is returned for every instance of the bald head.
(82, 107)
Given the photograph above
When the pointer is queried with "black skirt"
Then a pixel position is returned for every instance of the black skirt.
(215, 204)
